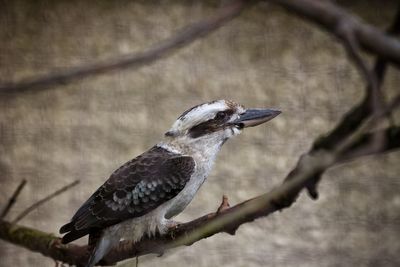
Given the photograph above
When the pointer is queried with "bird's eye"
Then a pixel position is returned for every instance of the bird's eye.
(221, 115)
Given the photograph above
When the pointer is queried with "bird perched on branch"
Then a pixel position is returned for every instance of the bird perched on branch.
(142, 196)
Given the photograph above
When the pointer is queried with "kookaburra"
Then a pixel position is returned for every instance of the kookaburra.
(142, 196)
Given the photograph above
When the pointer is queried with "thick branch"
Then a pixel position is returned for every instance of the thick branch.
(183, 38)
(310, 166)
(326, 14)
(227, 220)
(38, 241)
(334, 19)
(357, 115)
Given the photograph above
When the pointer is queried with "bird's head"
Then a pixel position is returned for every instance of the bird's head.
(215, 122)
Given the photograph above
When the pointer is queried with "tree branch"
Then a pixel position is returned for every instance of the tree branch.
(305, 175)
(13, 199)
(357, 115)
(43, 200)
(184, 37)
(331, 17)
(226, 220)
(357, 149)
(323, 13)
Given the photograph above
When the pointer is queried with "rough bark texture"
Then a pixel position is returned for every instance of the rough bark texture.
(264, 58)
(226, 219)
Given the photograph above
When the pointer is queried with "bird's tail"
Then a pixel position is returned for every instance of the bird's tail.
(103, 246)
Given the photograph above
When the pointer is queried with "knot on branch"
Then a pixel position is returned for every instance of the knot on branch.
(224, 204)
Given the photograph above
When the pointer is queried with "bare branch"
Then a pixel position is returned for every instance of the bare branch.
(346, 32)
(323, 13)
(43, 200)
(13, 199)
(381, 64)
(361, 147)
(368, 124)
(227, 220)
(306, 174)
(330, 16)
(377, 99)
(184, 37)
(358, 114)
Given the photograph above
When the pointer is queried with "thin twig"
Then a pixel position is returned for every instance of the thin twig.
(381, 63)
(13, 199)
(359, 113)
(321, 12)
(43, 200)
(361, 148)
(279, 198)
(224, 204)
(133, 61)
(367, 125)
(373, 89)
(346, 31)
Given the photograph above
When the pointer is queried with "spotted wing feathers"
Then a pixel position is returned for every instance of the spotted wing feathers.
(133, 190)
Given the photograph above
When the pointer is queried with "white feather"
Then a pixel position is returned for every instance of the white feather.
(197, 115)
(203, 150)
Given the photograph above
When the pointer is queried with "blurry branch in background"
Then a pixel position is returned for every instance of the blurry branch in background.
(13, 199)
(29, 238)
(373, 121)
(352, 138)
(341, 23)
(359, 113)
(226, 219)
(43, 200)
(184, 37)
(326, 14)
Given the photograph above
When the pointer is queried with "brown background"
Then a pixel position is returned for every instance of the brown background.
(265, 58)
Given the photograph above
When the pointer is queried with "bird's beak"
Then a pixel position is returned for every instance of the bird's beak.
(254, 117)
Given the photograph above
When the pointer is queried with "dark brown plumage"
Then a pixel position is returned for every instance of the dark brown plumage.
(133, 190)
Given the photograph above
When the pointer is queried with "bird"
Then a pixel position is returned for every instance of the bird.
(143, 195)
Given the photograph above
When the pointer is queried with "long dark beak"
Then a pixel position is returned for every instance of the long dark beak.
(254, 117)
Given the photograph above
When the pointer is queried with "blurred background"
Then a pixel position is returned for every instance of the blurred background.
(264, 58)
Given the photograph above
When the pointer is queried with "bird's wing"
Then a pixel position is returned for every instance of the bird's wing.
(133, 190)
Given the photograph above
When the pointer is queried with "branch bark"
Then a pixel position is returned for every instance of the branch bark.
(358, 114)
(225, 220)
(34, 206)
(335, 19)
(305, 175)
(184, 37)
(13, 199)
(331, 17)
